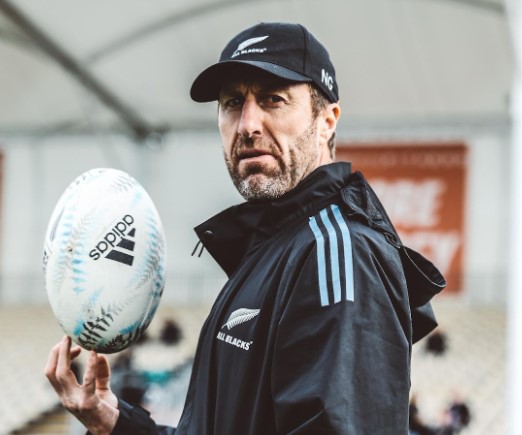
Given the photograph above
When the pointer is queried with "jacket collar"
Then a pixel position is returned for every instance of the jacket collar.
(231, 233)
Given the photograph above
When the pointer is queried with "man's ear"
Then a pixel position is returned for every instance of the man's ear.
(330, 115)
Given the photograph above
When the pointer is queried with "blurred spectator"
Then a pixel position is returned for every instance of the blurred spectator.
(456, 418)
(436, 343)
(127, 383)
(459, 415)
(416, 426)
(170, 333)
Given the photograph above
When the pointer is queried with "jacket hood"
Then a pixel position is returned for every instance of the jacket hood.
(423, 279)
(229, 235)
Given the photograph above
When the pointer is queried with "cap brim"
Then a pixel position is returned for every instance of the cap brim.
(207, 85)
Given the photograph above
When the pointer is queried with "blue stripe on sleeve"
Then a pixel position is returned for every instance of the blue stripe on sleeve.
(321, 262)
(348, 259)
(334, 255)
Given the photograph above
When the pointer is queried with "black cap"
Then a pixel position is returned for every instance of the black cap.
(285, 50)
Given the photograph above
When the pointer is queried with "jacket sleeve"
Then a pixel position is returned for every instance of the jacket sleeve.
(136, 421)
(341, 359)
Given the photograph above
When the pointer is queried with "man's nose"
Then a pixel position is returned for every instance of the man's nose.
(251, 122)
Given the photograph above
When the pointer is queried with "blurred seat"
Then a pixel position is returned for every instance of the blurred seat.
(472, 368)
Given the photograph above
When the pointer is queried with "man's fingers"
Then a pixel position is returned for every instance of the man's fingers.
(50, 366)
(103, 386)
(91, 370)
(75, 351)
(64, 353)
(52, 361)
(103, 373)
(64, 375)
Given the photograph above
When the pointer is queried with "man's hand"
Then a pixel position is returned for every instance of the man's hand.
(93, 402)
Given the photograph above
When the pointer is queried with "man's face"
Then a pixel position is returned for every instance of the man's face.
(271, 140)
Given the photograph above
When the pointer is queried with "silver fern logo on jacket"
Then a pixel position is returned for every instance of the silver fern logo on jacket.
(237, 317)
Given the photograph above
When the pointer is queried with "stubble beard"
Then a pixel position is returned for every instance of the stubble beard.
(258, 182)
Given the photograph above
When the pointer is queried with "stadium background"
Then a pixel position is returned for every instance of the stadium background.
(105, 84)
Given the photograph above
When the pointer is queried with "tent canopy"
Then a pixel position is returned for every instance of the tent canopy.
(70, 66)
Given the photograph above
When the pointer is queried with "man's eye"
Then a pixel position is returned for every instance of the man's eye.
(274, 99)
(233, 102)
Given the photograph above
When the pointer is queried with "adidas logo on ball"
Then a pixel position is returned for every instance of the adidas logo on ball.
(117, 244)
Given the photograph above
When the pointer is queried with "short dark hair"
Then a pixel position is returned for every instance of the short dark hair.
(319, 103)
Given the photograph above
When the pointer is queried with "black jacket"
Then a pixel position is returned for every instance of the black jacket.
(312, 333)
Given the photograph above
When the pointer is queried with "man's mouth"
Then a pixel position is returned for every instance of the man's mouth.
(253, 155)
(249, 153)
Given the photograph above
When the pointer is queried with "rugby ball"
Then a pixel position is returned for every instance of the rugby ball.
(104, 260)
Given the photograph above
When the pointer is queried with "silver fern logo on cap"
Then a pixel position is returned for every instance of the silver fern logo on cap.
(243, 47)
(240, 316)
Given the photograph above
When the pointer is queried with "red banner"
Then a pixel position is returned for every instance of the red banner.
(422, 187)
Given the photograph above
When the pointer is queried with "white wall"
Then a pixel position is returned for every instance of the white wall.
(188, 182)
(487, 220)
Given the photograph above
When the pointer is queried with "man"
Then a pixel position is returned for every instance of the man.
(312, 333)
